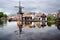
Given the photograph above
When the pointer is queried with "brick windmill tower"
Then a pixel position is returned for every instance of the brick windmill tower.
(20, 17)
(20, 13)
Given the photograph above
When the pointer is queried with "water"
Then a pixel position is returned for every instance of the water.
(31, 31)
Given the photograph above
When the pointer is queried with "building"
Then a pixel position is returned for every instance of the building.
(27, 18)
(58, 15)
(40, 16)
(43, 17)
(58, 19)
(53, 15)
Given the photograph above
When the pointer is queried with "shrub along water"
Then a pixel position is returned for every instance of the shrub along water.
(3, 15)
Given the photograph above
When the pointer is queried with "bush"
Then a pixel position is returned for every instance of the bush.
(2, 15)
(49, 18)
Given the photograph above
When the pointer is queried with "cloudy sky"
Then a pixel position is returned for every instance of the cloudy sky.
(48, 6)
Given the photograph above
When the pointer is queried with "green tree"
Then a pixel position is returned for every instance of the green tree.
(49, 18)
(5, 15)
(1, 14)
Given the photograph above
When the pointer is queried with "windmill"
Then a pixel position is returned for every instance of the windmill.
(20, 13)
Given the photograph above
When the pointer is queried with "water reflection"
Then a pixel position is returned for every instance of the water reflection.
(37, 24)
(31, 24)
(38, 30)
(43, 24)
(3, 22)
(49, 23)
(58, 25)
(19, 24)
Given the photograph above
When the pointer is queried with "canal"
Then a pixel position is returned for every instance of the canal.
(30, 31)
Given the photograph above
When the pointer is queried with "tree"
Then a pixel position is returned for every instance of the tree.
(1, 14)
(5, 15)
(49, 18)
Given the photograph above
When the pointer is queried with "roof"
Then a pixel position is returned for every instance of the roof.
(43, 15)
(27, 15)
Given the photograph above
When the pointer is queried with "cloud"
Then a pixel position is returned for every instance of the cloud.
(48, 6)
(43, 5)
